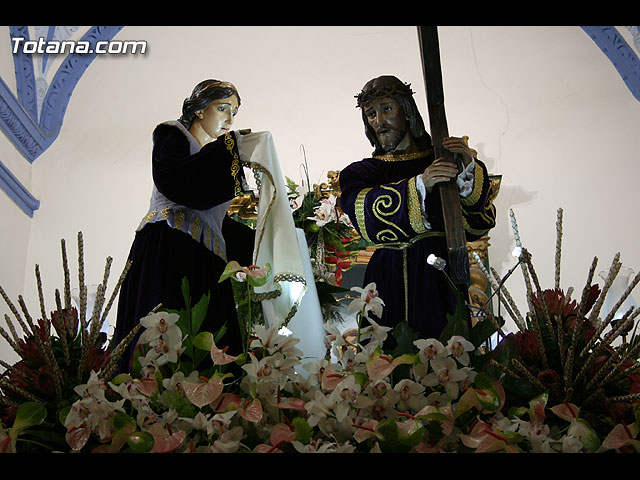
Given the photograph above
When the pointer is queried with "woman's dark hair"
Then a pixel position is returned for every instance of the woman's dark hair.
(203, 94)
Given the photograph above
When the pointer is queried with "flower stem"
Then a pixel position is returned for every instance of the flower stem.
(249, 326)
(359, 318)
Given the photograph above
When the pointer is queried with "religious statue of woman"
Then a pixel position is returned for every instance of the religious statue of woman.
(197, 172)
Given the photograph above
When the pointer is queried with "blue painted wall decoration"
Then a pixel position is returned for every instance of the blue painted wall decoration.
(31, 119)
(623, 56)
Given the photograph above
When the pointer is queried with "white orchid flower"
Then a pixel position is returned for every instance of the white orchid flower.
(368, 301)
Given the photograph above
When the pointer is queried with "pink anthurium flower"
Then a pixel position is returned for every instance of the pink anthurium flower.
(203, 393)
(290, 403)
(220, 357)
(77, 437)
(147, 385)
(164, 440)
(622, 436)
(578, 428)
(484, 438)
(256, 276)
(330, 379)
(365, 431)
(228, 401)
(566, 411)
(282, 433)
(266, 448)
(251, 410)
(380, 366)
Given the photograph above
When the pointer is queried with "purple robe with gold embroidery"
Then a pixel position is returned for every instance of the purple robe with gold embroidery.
(381, 199)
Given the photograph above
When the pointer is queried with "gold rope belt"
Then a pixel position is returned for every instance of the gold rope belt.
(404, 246)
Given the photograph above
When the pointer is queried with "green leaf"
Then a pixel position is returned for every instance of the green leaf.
(483, 330)
(441, 417)
(390, 441)
(404, 336)
(361, 378)
(582, 430)
(231, 268)
(63, 412)
(504, 352)
(220, 333)
(122, 420)
(140, 442)
(203, 341)
(486, 392)
(186, 294)
(291, 185)
(199, 313)
(304, 432)
(29, 415)
(121, 378)
(458, 323)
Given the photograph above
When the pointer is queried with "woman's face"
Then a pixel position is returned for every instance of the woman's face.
(217, 117)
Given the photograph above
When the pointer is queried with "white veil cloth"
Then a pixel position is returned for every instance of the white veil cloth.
(289, 298)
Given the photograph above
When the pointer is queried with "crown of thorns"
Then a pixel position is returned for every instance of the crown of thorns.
(367, 95)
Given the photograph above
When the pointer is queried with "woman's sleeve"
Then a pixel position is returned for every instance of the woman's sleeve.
(203, 180)
(381, 213)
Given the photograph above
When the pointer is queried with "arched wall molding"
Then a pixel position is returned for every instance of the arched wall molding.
(32, 118)
(622, 55)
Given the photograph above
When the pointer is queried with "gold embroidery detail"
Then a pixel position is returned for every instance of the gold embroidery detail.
(405, 277)
(149, 217)
(179, 217)
(195, 228)
(411, 242)
(207, 237)
(146, 219)
(471, 230)
(258, 171)
(360, 217)
(390, 157)
(478, 182)
(164, 213)
(387, 202)
(415, 212)
(235, 163)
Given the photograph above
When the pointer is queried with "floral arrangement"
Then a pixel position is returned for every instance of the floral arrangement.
(558, 385)
(332, 240)
(58, 352)
(564, 352)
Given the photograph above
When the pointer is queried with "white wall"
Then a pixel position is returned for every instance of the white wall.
(543, 106)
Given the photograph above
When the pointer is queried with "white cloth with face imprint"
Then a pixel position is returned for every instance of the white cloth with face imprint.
(284, 247)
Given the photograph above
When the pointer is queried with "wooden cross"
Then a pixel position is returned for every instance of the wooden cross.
(454, 228)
